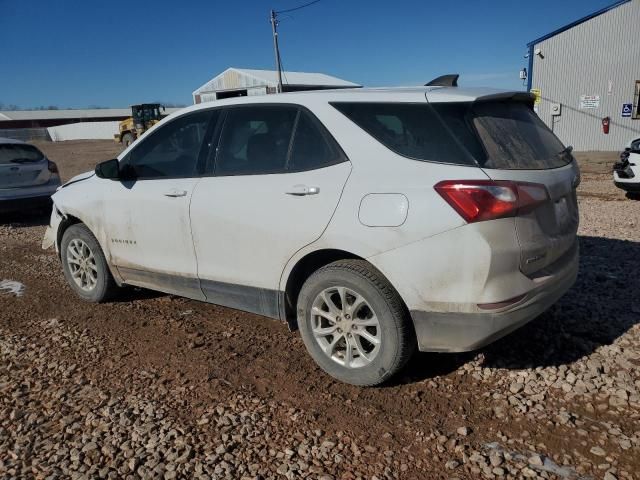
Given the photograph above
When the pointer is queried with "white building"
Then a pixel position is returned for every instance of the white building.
(588, 71)
(240, 82)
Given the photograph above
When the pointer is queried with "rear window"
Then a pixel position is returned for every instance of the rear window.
(10, 153)
(499, 135)
(514, 137)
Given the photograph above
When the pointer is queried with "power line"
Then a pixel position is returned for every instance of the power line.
(274, 30)
(276, 49)
(298, 8)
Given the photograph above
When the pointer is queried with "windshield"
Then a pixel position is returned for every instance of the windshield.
(10, 153)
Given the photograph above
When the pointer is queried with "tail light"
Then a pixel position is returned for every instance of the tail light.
(480, 200)
(53, 168)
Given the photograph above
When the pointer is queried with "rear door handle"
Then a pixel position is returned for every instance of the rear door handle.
(300, 190)
(174, 192)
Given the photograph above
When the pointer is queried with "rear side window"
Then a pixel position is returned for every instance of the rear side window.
(311, 147)
(255, 140)
(499, 135)
(412, 130)
(12, 153)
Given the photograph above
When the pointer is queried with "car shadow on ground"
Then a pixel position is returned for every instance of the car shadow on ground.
(129, 294)
(601, 306)
(28, 218)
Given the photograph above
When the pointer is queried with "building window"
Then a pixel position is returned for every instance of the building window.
(636, 102)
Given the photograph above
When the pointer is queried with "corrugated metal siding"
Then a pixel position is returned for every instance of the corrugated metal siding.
(230, 79)
(26, 134)
(582, 61)
(237, 78)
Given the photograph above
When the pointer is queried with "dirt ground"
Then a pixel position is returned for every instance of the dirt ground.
(156, 386)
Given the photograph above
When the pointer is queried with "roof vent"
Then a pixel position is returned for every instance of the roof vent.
(450, 80)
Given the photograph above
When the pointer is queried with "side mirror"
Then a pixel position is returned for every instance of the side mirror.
(109, 169)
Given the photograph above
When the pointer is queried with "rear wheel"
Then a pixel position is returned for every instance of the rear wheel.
(354, 323)
(84, 265)
(127, 139)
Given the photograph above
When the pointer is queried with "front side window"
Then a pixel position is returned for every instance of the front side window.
(172, 150)
(255, 140)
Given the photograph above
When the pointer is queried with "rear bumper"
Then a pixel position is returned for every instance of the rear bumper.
(24, 198)
(26, 203)
(466, 331)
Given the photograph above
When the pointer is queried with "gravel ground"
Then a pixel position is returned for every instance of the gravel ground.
(156, 386)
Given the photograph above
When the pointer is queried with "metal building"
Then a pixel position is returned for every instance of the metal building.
(32, 124)
(238, 82)
(587, 71)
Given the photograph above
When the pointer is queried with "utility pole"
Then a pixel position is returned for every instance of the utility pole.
(274, 30)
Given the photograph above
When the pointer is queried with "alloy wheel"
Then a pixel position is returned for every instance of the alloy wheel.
(82, 265)
(346, 327)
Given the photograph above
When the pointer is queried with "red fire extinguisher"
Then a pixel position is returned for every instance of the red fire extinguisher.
(605, 125)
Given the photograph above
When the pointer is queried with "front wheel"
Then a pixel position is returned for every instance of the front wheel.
(85, 266)
(354, 323)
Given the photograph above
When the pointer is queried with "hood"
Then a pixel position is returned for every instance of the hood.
(78, 178)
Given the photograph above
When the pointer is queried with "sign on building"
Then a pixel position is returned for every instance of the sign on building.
(627, 109)
(589, 101)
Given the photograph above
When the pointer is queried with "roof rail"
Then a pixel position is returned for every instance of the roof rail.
(449, 80)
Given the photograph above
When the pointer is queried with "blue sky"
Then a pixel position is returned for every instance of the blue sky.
(74, 53)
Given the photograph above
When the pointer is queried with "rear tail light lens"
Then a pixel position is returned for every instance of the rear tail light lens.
(480, 200)
(53, 168)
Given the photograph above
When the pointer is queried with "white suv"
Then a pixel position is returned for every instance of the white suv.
(376, 221)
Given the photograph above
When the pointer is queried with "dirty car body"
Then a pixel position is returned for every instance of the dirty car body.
(461, 199)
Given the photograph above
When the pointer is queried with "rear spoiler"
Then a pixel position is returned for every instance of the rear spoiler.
(524, 97)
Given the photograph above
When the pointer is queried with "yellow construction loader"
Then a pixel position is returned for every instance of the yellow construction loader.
(142, 118)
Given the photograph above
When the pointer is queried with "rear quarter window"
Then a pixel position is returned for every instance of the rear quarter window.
(490, 134)
(411, 130)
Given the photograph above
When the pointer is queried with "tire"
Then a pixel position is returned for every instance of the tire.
(371, 362)
(127, 139)
(79, 247)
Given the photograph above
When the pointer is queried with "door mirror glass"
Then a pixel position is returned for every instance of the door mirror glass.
(109, 169)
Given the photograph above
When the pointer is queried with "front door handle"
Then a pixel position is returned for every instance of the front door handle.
(300, 190)
(174, 192)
